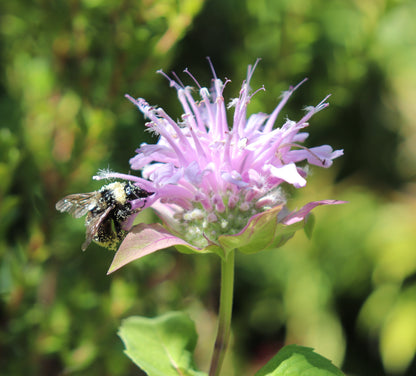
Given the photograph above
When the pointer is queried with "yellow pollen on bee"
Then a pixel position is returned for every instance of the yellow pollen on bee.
(118, 191)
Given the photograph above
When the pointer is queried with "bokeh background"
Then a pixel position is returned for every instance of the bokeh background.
(349, 292)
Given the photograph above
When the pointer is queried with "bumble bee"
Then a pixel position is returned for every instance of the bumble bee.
(106, 210)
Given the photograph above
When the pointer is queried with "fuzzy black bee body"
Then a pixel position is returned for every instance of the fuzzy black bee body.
(105, 210)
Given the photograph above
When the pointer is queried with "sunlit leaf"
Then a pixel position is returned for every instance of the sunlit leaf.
(294, 360)
(398, 335)
(161, 346)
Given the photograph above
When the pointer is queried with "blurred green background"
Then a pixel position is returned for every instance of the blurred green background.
(349, 292)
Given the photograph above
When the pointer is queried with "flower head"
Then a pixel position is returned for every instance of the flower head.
(217, 182)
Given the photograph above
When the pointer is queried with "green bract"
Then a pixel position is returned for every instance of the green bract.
(269, 229)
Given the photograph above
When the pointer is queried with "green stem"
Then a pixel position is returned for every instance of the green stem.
(224, 319)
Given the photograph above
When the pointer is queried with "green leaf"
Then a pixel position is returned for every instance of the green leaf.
(398, 333)
(294, 360)
(161, 346)
(309, 225)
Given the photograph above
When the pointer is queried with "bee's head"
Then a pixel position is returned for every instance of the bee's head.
(133, 192)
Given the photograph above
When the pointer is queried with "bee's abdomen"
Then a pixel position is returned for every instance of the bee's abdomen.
(108, 235)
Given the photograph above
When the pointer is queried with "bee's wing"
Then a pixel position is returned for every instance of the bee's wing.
(77, 204)
(93, 224)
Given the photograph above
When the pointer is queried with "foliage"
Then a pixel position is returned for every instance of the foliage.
(348, 292)
(296, 360)
(162, 346)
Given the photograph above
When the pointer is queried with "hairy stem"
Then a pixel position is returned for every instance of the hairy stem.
(224, 319)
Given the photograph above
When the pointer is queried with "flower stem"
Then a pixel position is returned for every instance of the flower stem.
(224, 319)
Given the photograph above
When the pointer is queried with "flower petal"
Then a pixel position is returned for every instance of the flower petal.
(234, 177)
(289, 173)
(320, 156)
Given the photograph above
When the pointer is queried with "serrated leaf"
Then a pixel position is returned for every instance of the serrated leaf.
(294, 360)
(161, 346)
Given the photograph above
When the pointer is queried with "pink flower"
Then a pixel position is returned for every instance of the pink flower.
(221, 186)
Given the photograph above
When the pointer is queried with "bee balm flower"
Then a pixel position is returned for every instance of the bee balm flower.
(220, 186)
